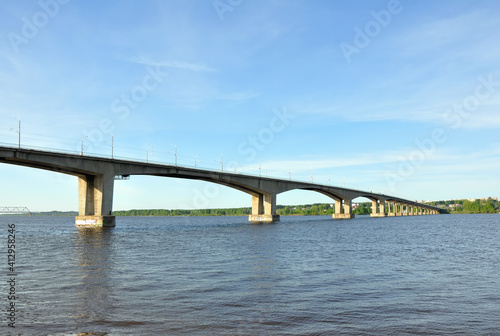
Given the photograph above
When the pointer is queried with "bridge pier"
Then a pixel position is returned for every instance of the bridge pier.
(343, 211)
(95, 201)
(264, 209)
(404, 209)
(399, 209)
(375, 209)
(389, 206)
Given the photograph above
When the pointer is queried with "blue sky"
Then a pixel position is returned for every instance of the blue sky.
(399, 97)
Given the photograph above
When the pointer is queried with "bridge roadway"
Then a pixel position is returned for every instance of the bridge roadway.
(96, 177)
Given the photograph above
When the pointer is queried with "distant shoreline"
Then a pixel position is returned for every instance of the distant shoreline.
(476, 206)
(327, 209)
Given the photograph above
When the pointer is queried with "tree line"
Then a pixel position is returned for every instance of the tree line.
(476, 206)
(285, 210)
(469, 207)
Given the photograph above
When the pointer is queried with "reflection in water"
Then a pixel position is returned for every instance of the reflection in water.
(93, 252)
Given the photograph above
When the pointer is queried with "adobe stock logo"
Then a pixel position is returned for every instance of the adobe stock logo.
(122, 106)
(223, 6)
(372, 29)
(255, 143)
(455, 118)
(32, 26)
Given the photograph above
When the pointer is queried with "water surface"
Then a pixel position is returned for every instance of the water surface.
(425, 275)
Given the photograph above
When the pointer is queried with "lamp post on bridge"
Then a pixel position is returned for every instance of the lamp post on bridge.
(18, 132)
(195, 160)
(222, 163)
(112, 145)
(147, 153)
(175, 154)
(81, 150)
(19, 135)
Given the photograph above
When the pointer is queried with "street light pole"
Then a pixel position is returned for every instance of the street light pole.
(19, 136)
(175, 154)
(81, 150)
(221, 162)
(195, 160)
(18, 132)
(112, 145)
(147, 153)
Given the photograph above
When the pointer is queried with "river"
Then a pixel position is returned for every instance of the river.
(421, 275)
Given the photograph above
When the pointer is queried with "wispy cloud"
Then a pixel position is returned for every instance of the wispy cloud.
(174, 64)
(307, 165)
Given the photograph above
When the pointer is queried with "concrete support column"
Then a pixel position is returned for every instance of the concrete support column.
(86, 196)
(95, 200)
(347, 206)
(374, 207)
(257, 204)
(270, 204)
(103, 195)
(338, 207)
(399, 211)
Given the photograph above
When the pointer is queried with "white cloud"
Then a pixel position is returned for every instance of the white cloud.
(174, 64)
(307, 165)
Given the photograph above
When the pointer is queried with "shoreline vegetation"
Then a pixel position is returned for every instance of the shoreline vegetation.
(451, 206)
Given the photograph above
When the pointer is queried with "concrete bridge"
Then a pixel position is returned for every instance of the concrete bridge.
(96, 177)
